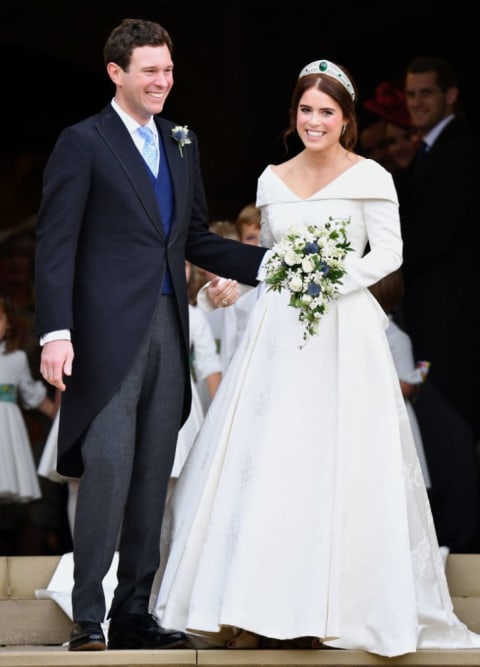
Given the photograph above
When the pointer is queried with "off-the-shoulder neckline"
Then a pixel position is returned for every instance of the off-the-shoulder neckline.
(317, 192)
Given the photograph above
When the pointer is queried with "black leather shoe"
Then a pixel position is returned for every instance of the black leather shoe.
(141, 631)
(87, 636)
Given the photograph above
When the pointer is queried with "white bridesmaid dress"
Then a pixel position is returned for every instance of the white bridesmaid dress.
(205, 362)
(18, 475)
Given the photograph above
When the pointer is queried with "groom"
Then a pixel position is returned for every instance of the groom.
(112, 317)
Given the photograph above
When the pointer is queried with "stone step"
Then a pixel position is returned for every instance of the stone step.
(41, 656)
(33, 632)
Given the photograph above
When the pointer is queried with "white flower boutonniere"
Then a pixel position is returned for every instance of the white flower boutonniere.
(180, 134)
(309, 263)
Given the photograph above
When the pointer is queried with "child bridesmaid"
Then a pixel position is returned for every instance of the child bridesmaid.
(18, 475)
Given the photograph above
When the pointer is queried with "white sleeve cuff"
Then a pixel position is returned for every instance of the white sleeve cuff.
(262, 272)
(61, 334)
(203, 302)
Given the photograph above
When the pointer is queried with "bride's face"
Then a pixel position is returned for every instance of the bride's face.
(319, 120)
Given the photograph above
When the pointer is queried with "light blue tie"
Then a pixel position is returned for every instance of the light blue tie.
(149, 149)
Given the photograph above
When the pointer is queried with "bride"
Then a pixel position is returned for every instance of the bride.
(301, 511)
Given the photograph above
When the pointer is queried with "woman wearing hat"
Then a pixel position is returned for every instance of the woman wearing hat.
(400, 139)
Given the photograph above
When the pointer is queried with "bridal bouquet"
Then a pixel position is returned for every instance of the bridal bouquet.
(308, 262)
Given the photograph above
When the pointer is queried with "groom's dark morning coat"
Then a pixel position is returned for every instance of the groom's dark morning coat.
(102, 251)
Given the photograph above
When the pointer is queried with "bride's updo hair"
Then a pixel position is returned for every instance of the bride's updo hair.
(339, 84)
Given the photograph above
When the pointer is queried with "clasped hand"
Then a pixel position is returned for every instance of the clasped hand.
(222, 292)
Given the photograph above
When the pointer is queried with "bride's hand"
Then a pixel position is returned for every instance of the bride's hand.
(222, 292)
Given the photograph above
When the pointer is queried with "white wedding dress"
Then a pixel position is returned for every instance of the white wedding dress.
(301, 509)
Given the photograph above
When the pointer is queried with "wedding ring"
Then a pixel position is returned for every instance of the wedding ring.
(225, 302)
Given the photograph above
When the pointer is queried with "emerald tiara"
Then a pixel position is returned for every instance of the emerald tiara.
(330, 69)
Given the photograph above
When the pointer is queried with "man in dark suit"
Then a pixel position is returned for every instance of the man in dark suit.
(438, 197)
(113, 236)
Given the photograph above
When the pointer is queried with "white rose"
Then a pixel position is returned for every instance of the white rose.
(307, 265)
(295, 284)
(291, 258)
